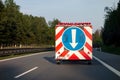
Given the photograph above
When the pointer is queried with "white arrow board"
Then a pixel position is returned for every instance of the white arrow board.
(73, 43)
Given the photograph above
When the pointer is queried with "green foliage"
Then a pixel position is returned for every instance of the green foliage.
(97, 40)
(111, 30)
(1, 6)
(19, 29)
(52, 25)
(111, 49)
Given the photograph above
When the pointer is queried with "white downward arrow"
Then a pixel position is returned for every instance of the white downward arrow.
(73, 43)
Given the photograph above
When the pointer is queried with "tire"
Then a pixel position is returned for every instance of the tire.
(89, 62)
(58, 61)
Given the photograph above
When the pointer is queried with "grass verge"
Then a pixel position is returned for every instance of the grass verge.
(14, 55)
(111, 49)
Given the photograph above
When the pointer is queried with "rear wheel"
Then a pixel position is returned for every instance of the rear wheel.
(89, 62)
(58, 61)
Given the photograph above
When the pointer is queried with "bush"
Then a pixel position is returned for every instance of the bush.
(111, 49)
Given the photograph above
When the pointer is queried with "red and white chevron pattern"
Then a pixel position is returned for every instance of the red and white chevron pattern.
(63, 54)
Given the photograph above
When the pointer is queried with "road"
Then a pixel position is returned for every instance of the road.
(42, 66)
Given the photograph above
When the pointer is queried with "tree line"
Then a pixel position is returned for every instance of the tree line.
(109, 35)
(111, 30)
(17, 28)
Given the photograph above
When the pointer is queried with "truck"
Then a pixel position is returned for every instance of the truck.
(73, 41)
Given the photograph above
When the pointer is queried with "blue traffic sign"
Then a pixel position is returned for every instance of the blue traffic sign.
(73, 38)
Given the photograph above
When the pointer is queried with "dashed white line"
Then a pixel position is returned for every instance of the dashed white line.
(108, 66)
(25, 72)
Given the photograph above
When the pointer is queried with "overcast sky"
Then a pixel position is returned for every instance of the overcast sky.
(68, 10)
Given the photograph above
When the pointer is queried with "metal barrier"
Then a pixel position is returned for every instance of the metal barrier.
(6, 52)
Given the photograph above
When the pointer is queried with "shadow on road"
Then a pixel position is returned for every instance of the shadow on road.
(50, 59)
(65, 62)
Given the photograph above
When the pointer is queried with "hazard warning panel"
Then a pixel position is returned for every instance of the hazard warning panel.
(73, 41)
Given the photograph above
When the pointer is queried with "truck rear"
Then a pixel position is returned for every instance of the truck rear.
(73, 41)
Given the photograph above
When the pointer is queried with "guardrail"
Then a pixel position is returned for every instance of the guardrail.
(6, 52)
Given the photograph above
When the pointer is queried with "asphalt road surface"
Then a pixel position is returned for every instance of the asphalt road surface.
(42, 66)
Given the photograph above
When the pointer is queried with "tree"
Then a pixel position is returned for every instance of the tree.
(97, 41)
(52, 25)
(21, 29)
(39, 28)
(10, 21)
(1, 26)
(1, 6)
(111, 31)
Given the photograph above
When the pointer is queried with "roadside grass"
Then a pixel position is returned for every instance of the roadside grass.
(15, 55)
(111, 49)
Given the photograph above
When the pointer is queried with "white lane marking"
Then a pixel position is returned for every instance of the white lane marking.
(23, 56)
(25, 72)
(108, 66)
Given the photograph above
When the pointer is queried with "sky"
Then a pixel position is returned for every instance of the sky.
(68, 10)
